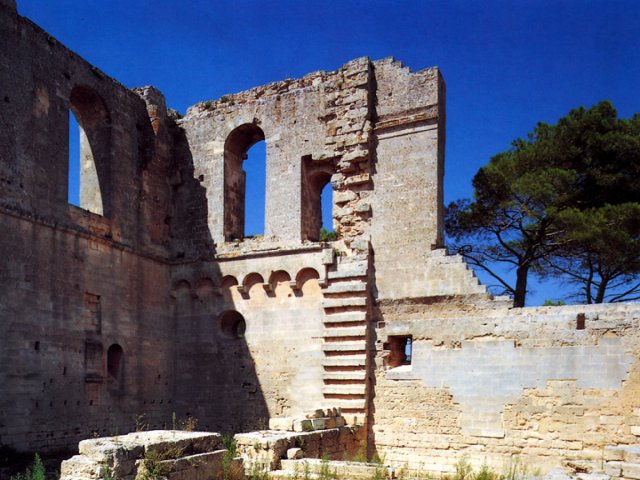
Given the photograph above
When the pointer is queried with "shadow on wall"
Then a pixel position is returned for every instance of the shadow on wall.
(191, 237)
(216, 378)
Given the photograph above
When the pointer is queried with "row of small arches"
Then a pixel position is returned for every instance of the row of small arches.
(205, 286)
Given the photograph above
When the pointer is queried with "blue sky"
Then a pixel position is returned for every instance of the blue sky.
(507, 64)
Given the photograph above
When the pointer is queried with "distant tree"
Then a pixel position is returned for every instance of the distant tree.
(327, 236)
(603, 257)
(562, 202)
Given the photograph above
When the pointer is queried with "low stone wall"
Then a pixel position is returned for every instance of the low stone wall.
(175, 455)
(266, 448)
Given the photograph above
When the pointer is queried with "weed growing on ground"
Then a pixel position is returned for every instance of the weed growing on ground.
(259, 471)
(230, 469)
(154, 463)
(463, 470)
(325, 470)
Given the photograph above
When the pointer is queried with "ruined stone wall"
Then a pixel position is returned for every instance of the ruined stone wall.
(316, 129)
(548, 385)
(150, 299)
(85, 325)
(37, 98)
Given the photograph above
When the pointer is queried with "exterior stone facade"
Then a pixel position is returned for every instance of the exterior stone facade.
(149, 300)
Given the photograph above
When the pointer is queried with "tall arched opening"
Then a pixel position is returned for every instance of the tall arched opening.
(237, 199)
(89, 158)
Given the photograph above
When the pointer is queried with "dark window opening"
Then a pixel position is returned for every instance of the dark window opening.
(115, 363)
(400, 350)
(580, 321)
(232, 324)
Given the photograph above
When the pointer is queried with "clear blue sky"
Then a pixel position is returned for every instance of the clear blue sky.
(507, 64)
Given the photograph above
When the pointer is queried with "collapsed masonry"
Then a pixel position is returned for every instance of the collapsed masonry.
(149, 300)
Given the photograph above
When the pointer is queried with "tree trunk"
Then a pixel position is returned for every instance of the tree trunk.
(520, 293)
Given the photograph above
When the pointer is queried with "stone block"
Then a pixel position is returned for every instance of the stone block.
(614, 452)
(281, 423)
(318, 423)
(632, 454)
(631, 470)
(317, 413)
(613, 468)
(79, 466)
(294, 453)
(344, 196)
(302, 425)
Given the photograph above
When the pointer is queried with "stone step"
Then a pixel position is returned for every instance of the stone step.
(357, 389)
(286, 475)
(340, 468)
(344, 302)
(348, 404)
(345, 287)
(345, 361)
(345, 317)
(349, 270)
(344, 346)
(342, 376)
(336, 332)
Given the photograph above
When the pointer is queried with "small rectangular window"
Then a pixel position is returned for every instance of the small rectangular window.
(400, 350)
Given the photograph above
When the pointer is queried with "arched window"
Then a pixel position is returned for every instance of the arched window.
(89, 151)
(237, 197)
(115, 364)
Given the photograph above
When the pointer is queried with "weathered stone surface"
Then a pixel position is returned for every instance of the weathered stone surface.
(294, 453)
(284, 423)
(180, 454)
(149, 299)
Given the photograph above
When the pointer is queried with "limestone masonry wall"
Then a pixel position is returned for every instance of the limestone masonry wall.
(148, 304)
(549, 385)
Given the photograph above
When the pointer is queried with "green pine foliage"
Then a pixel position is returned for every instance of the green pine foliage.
(563, 202)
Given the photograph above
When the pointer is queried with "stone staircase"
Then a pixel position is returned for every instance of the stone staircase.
(316, 468)
(345, 337)
(450, 275)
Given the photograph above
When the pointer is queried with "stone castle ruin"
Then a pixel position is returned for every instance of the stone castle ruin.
(148, 298)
